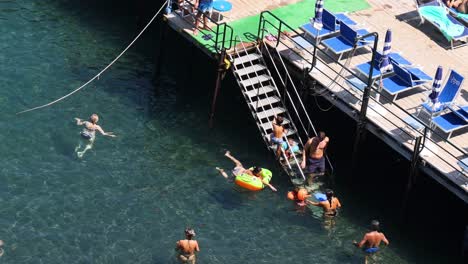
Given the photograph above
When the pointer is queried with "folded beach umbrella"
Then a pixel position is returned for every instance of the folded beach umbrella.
(317, 20)
(434, 96)
(385, 65)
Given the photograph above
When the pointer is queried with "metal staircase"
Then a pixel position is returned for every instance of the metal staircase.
(265, 102)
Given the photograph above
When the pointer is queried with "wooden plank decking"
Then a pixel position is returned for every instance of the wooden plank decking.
(422, 45)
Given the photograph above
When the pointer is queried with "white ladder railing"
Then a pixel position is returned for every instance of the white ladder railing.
(255, 109)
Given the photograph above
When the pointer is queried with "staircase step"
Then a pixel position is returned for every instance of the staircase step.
(265, 101)
(255, 80)
(250, 69)
(270, 112)
(267, 126)
(246, 58)
(263, 90)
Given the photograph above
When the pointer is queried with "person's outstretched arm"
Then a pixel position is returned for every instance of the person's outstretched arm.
(303, 163)
(360, 244)
(79, 121)
(312, 203)
(109, 134)
(384, 239)
(271, 187)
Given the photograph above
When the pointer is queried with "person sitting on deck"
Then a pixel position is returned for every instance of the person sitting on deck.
(88, 133)
(278, 133)
(294, 148)
(186, 248)
(313, 156)
(239, 169)
(204, 8)
(330, 206)
(460, 5)
(371, 240)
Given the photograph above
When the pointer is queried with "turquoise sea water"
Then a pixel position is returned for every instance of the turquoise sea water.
(129, 199)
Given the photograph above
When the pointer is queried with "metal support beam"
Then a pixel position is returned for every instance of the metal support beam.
(221, 69)
(362, 120)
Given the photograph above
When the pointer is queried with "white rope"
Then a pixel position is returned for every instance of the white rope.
(101, 72)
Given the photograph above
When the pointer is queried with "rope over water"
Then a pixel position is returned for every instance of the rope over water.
(102, 71)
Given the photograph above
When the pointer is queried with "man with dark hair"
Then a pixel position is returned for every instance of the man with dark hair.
(187, 247)
(330, 206)
(313, 156)
(371, 240)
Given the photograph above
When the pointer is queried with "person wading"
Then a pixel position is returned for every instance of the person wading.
(371, 240)
(186, 248)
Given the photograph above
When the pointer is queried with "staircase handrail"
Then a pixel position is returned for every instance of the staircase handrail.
(270, 104)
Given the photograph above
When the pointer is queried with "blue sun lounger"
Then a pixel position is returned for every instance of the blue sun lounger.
(450, 122)
(343, 18)
(345, 41)
(447, 95)
(330, 27)
(364, 68)
(399, 82)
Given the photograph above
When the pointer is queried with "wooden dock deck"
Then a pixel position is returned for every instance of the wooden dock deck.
(421, 44)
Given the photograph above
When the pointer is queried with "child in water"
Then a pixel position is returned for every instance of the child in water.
(294, 148)
(88, 134)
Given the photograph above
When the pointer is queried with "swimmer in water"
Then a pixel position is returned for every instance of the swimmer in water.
(330, 207)
(371, 241)
(88, 134)
(239, 169)
(186, 248)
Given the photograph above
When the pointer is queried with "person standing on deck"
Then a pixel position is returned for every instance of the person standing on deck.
(330, 207)
(278, 133)
(186, 248)
(204, 8)
(371, 241)
(314, 156)
(88, 133)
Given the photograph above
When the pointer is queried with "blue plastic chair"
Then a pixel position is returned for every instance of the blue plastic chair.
(343, 18)
(364, 68)
(399, 82)
(345, 41)
(450, 122)
(329, 27)
(448, 94)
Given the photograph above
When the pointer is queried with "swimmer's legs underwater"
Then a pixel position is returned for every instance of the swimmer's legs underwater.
(88, 145)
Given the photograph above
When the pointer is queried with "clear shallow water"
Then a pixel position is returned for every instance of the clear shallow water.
(129, 199)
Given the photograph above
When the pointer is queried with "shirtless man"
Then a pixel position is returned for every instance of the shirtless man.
(313, 156)
(186, 248)
(239, 169)
(278, 133)
(372, 240)
(330, 207)
(460, 5)
(88, 134)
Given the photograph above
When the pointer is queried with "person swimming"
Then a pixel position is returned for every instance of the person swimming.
(239, 169)
(186, 248)
(371, 240)
(89, 133)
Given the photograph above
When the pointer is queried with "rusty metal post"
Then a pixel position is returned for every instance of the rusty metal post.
(220, 69)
